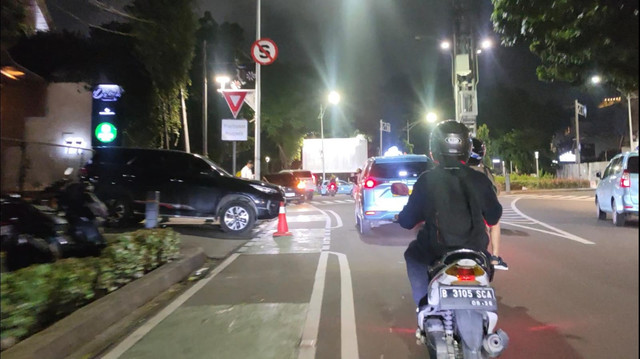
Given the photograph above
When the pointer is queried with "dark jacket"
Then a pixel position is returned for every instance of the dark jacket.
(454, 204)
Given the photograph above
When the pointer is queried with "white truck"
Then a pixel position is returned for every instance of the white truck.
(341, 155)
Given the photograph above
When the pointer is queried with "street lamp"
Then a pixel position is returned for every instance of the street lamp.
(267, 159)
(333, 99)
(431, 118)
(222, 80)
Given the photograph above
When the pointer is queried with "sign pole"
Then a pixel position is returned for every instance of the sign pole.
(577, 137)
(234, 158)
(256, 154)
(204, 99)
(380, 137)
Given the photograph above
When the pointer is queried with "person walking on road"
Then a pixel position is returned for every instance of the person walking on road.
(478, 151)
(246, 171)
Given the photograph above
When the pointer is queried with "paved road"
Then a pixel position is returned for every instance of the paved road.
(327, 292)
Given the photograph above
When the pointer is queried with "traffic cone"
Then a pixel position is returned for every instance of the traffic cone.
(283, 228)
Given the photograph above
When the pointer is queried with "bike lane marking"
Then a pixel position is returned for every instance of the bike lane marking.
(132, 339)
(554, 231)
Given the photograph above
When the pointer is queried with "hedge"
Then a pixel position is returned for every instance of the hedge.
(517, 182)
(39, 295)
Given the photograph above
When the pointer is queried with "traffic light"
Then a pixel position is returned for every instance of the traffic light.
(105, 115)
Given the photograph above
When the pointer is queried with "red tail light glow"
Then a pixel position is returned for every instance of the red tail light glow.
(83, 172)
(625, 180)
(370, 183)
(465, 274)
(301, 185)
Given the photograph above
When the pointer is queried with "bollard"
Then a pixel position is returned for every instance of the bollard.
(507, 182)
(152, 209)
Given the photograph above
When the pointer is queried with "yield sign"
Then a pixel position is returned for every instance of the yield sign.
(235, 100)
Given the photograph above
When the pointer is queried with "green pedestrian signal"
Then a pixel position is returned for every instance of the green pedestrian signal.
(106, 132)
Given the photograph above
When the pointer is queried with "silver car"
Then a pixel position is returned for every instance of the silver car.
(617, 192)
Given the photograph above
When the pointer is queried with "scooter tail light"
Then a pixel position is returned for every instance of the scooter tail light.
(625, 180)
(465, 274)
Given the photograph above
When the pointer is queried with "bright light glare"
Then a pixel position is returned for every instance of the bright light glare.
(222, 79)
(596, 79)
(495, 160)
(403, 173)
(432, 117)
(393, 151)
(478, 51)
(334, 97)
(267, 159)
(485, 44)
(445, 45)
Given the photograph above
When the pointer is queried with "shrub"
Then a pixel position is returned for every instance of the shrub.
(546, 181)
(38, 295)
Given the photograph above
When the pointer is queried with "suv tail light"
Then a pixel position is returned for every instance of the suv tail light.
(625, 180)
(301, 185)
(370, 183)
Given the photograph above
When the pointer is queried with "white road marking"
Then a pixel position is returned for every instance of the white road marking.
(309, 339)
(348, 334)
(338, 219)
(132, 339)
(558, 232)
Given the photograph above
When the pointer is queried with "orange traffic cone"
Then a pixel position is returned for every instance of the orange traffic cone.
(283, 228)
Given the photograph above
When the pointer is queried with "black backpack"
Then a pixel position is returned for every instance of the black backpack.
(458, 221)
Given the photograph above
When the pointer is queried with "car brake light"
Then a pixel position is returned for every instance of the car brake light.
(370, 183)
(625, 180)
(83, 171)
(301, 185)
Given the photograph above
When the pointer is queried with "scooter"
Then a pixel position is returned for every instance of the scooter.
(332, 189)
(461, 316)
(63, 222)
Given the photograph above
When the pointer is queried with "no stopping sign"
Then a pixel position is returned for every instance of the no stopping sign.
(264, 51)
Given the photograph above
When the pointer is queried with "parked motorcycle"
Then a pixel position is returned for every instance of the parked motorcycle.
(62, 222)
(460, 319)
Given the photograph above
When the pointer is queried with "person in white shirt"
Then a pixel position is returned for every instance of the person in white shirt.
(246, 171)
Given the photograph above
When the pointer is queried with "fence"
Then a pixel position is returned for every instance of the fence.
(586, 171)
(31, 165)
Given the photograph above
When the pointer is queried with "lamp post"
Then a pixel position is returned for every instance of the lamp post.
(431, 118)
(536, 154)
(596, 80)
(333, 99)
(267, 160)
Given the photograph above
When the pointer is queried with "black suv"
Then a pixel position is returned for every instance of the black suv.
(189, 185)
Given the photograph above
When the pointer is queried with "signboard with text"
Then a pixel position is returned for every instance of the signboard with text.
(235, 130)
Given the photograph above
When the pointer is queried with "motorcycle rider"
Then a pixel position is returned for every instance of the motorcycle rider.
(478, 151)
(453, 200)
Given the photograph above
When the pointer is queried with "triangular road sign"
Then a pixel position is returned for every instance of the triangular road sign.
(235, 99)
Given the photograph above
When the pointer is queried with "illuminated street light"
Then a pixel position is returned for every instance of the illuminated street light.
(485, 44)
(445, 45)
(334, 98)
(478, 51)
(596, 79)
(432, 117)
(222, 80)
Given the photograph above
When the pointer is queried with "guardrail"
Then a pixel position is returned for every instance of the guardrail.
(32, 165)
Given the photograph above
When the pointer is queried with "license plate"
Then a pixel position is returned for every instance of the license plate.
(468, 298)
(289, 194)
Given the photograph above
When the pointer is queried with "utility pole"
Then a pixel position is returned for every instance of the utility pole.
(577, 124)
(205, 152)
(256, 152)
(381, 123)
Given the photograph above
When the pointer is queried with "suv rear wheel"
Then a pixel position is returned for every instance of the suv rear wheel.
(237, 217)
(618, 218)
(601, 215)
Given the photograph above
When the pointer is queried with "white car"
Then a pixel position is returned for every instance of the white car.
(617, 192)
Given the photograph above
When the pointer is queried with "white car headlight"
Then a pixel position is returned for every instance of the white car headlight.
(264, 189)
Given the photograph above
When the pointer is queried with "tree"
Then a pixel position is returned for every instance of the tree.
(575, 38)
(164, 43)
(14, 23)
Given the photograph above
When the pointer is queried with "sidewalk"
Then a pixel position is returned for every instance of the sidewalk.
(550, 190)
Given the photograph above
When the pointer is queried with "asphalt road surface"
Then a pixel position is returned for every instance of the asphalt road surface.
(328, 292)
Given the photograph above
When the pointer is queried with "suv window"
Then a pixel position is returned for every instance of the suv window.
(616, 166)
(411, 169)
(632, 164)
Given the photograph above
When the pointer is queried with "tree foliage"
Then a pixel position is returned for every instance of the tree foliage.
(14, 24)
(575, 39)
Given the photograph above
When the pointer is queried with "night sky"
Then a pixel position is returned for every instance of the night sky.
(368, 51)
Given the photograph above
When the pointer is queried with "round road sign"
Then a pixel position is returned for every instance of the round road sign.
(264, 51)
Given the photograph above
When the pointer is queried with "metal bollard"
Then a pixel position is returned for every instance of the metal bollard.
(152, 209)
(507, 182)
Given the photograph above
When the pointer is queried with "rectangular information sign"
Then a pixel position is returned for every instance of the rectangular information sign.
(234, 130)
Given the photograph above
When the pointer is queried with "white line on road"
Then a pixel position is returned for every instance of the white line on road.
(338, 219)
(132, 339)
(349, 337)
(308, 342)
(558, 232)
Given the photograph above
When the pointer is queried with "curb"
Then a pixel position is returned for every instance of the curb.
(70, 333)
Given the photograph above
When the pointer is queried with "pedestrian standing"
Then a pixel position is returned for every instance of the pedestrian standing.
(246, 171)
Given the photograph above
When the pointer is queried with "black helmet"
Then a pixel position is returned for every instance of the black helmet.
(450, 142)
(477, 152)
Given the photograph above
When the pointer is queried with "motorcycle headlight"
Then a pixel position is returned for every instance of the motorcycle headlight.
(264, 189)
